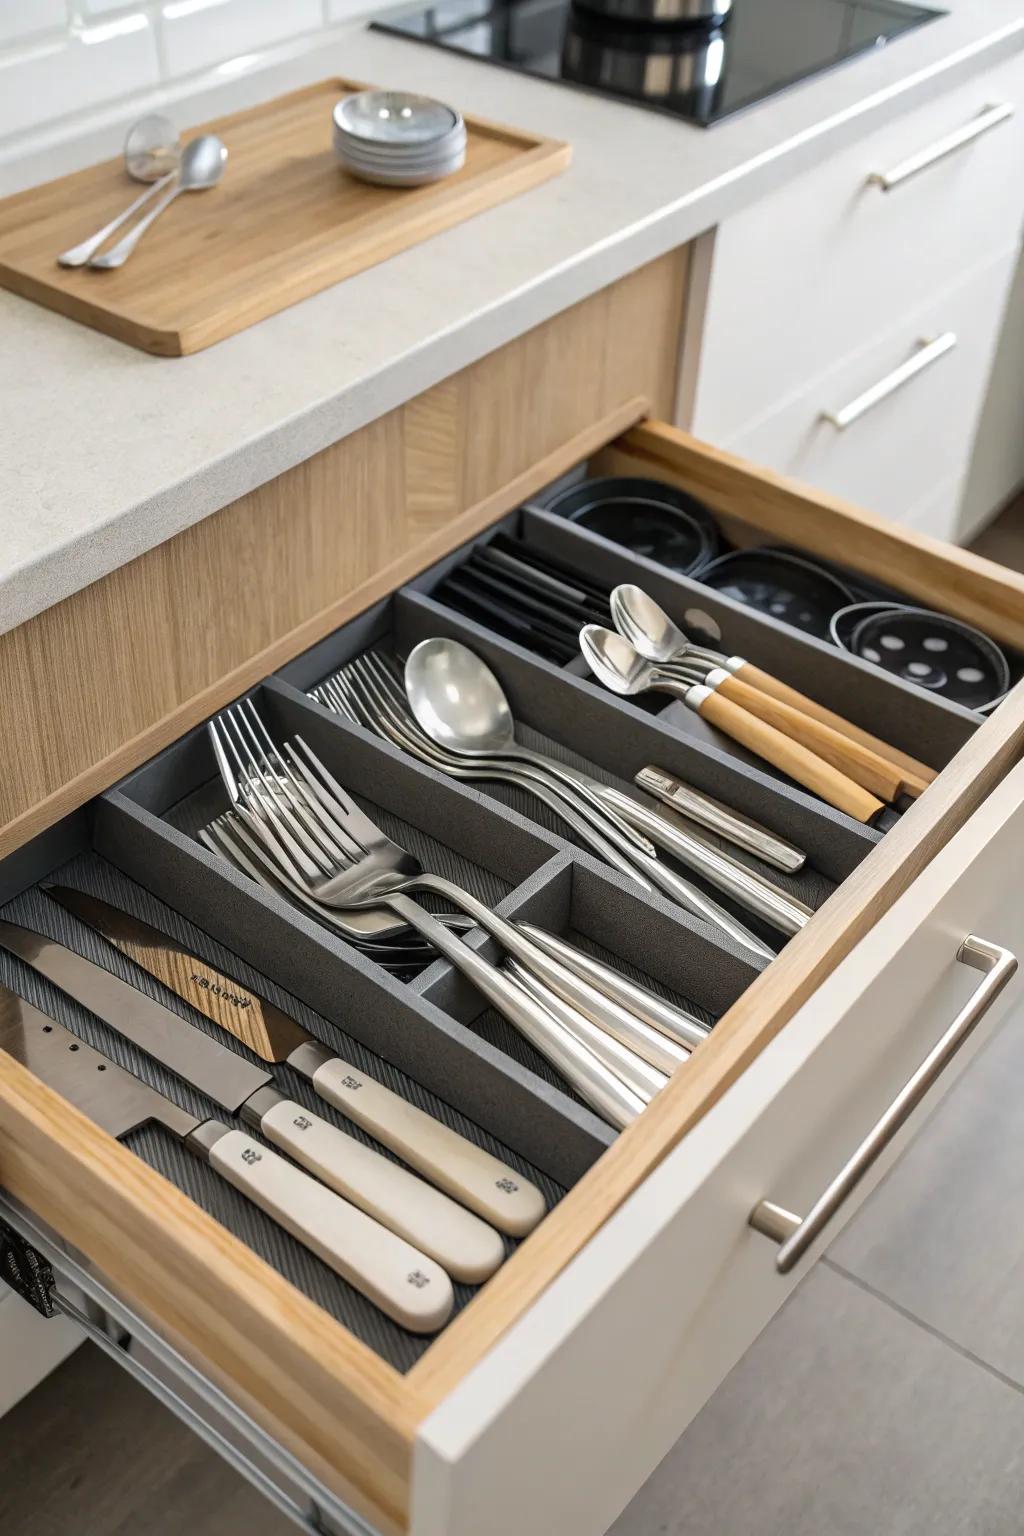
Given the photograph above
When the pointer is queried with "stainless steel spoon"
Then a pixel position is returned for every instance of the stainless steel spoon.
(202, 165)
(614, 661)
(461, 705)
(650, 631)
(152, 153)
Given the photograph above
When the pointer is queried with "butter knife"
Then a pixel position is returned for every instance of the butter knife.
(427, 1219)
(405, 1284)
(489, 1187)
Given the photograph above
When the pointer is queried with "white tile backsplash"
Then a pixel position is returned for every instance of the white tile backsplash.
(21, 20)
(197, 35)
(64, 58)
(74, 72)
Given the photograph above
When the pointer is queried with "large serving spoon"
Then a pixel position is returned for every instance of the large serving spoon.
(916, 776)
(614, 661)
(152, 153)
(650, 631)
(202, 165)
(461, 705)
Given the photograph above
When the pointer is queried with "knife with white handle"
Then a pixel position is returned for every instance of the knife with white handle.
(458, 1240)
(403, 1283)
(480, 1181)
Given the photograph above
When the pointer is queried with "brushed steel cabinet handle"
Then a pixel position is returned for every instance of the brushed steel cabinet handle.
(795, 1234)
(986, 120)
(928, 352)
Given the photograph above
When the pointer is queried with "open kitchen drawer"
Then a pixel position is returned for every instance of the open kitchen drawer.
(558, 1386)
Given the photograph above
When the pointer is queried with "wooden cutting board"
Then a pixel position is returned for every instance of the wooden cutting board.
(285, 222)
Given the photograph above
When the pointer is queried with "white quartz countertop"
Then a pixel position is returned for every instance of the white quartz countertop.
(105, 451)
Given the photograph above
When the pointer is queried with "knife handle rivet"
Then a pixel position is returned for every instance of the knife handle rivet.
(72, 1047)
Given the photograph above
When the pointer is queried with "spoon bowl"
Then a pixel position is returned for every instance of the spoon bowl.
(461, 705)
(614, 661)
(645, 624)
(458, 700)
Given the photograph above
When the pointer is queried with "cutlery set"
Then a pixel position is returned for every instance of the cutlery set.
(401, 1228)
(442, 677)
(615, 1043)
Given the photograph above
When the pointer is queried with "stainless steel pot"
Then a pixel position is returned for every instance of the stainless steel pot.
(659, 65)
(659, 10)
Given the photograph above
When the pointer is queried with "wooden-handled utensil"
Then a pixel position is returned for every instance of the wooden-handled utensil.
(612, 659)
(864, 766)
(782, 751)
(650, 631)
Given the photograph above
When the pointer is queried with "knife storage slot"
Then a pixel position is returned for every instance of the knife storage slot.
(928, 727)
(90, 872)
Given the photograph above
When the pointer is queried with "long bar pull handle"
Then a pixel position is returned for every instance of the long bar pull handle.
(928, 352)
(796, 1234)
(990, 118)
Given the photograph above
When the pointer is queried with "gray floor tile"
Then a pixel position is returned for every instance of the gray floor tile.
(844, 1419)
(943, 1235)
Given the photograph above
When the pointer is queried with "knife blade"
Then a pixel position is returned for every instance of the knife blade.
(405, 1284)
(482, 1182)
(409, 1207)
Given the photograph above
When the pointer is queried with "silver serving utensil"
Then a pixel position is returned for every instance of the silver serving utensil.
(152, 153)
(202, 165)
(369, 694)
(386, 711)
(461, 705)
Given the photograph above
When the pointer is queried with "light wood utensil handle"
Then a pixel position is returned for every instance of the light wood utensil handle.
(396, 1277)
(859, 763)
(915, 776)
(789, 756)
(484, 1183)
(461, 1243)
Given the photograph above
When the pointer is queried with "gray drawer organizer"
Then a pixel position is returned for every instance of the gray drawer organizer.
(428, 1038)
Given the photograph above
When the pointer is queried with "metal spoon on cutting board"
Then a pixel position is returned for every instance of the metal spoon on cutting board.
(202, 165)
(152, 153)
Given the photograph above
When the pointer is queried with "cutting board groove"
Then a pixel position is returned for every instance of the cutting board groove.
(285, 222)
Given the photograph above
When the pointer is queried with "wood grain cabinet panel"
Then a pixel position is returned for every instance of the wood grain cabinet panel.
(96, 684)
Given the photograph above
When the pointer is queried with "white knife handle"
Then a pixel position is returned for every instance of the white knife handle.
(488, 1186)
(402, 1282)
(464, 1245)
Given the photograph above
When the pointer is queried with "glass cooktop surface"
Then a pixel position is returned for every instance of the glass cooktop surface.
(700, 72)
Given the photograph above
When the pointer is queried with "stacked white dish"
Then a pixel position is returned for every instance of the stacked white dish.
(398, 139)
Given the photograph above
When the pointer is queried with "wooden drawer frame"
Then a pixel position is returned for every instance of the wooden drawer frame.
(348, 1416)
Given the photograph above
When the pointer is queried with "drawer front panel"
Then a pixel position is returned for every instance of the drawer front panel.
(839, 260)
(917, 432)
(573, 1409)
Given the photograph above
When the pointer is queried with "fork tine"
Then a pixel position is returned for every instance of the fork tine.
(215, 732)
(308, 829)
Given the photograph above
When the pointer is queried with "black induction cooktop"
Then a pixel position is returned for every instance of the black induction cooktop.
(700, 72)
